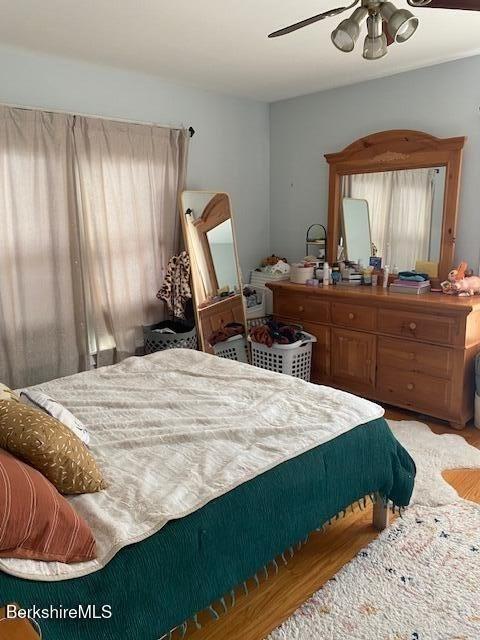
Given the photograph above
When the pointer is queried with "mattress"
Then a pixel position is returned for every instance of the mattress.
(173, 430)
(154, 585)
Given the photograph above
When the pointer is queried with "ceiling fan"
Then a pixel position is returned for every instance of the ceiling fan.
(385, 23)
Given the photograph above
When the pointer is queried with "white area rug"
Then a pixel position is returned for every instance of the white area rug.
(433, 454)
(420, 580)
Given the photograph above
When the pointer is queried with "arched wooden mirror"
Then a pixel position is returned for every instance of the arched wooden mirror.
(210, 239)
(411, 182)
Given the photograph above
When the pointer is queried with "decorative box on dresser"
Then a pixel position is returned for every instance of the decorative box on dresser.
(415, 352)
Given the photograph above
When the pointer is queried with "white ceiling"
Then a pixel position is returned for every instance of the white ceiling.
(222, 45)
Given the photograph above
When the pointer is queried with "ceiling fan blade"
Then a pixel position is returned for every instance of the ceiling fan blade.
(462, 5)
(308, 21)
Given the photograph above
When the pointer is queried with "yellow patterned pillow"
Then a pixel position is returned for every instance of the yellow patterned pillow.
(8, 394)
(50, 447)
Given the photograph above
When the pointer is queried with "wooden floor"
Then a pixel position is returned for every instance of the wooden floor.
(263, 609)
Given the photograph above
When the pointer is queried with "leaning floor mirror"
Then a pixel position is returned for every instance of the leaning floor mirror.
(217, 284)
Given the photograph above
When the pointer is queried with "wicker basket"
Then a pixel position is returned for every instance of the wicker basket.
(235, 348)
(185, 336)
(291, 359)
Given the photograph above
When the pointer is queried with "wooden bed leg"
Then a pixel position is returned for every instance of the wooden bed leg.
(380, 515)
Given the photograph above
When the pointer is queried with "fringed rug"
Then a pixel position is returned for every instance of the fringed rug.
(419, 580)
(433, 454)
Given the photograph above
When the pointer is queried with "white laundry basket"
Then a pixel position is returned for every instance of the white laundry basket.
(258, 310)
(292, 359)
(235, 348)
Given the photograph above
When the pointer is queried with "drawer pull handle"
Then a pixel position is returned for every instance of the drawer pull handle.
(351, 316)
(412, 326)
(301, 308)
(410, 386)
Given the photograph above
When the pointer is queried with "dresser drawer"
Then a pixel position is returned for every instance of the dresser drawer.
(414, 390)
(415, 357)
(302, 307)
(353, 359)
(354, 316)
(418, 326)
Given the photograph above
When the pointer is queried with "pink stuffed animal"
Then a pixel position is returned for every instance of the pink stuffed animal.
(461, 282)
(459, 273)
(466, 286)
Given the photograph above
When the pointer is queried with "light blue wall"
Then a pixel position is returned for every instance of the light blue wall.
(442, 100)
(229, 152)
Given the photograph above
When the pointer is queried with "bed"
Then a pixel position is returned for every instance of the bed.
(221, 468)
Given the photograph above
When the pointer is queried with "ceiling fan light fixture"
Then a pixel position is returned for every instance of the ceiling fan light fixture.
(375, 44)
(419, 3)
(346, 34)
(375, 48)
(402, 24)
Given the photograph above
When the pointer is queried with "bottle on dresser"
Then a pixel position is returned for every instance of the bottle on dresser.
(326, 274)
(386, 273)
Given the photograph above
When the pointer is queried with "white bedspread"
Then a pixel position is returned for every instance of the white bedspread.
(173, 430)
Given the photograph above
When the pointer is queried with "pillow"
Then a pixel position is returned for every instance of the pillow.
(36, 522)
(48, 405)
(7, 394)
(49, 446)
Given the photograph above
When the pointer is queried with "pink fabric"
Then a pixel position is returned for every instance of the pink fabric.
(36, 522)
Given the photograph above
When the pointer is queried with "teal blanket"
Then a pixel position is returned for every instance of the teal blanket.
(156, 584)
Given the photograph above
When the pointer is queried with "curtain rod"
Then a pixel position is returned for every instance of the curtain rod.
(191, 130)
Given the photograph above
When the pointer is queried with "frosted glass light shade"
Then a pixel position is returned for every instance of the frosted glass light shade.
(402, 24)
(375, 48)
(346, 34)
(375, 44)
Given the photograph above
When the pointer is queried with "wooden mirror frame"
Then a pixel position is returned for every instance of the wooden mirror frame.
(394, 150)
(215, 213)
(210, 316)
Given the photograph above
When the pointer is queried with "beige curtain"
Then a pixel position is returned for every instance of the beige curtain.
(400, 206)
(128, 178)
(42, 314)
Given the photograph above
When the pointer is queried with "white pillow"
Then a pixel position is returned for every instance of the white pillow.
(56, 410)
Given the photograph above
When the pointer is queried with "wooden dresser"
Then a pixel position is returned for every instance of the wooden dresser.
(415, 352)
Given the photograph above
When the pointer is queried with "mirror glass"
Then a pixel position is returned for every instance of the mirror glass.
(405, 213)
(356, 230)
(222, 249)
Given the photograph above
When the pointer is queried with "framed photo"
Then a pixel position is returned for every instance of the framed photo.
(376, 262)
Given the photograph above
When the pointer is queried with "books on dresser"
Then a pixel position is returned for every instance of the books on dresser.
(410, 286)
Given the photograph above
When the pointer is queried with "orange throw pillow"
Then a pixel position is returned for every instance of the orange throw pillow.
(36, 522)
